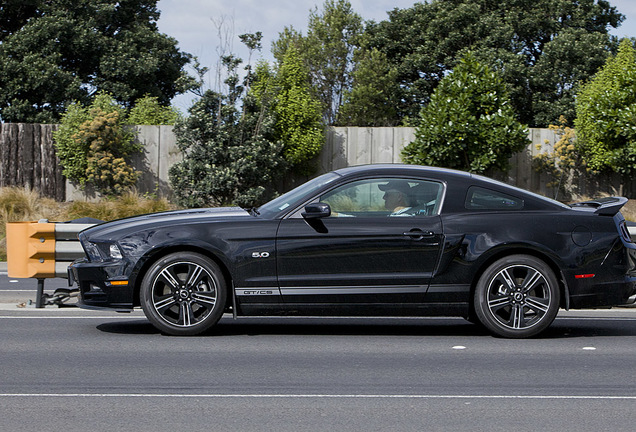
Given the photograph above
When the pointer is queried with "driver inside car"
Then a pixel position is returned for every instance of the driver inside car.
(396, 197)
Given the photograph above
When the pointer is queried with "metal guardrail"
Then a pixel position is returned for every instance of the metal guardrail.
(43, 250)
(67, 246)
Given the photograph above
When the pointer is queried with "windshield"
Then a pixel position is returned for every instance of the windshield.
(295, 196)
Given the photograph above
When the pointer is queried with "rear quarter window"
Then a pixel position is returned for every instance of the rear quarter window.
(478, 198)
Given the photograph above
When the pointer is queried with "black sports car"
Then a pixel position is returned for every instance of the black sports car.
(377, 240)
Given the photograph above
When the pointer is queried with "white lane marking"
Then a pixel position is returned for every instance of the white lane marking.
(608, 318)
(18, 290)
(74, 317)
(588, 349)
(309, 396)
(459, 347)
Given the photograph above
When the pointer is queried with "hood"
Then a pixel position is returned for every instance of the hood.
(136, 223)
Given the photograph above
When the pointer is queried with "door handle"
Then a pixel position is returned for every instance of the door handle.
(418, 234)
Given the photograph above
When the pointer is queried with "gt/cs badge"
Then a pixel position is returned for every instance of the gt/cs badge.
(260, 254)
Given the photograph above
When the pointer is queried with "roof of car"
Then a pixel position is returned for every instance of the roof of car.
(404, 168)
(445, 173)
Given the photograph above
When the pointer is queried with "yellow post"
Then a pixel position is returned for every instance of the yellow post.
(31, 249)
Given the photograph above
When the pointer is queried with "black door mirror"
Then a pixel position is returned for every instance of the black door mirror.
(316, 211)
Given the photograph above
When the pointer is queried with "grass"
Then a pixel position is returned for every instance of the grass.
(629, 211)
(17, 205)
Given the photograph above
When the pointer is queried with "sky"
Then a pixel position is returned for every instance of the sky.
(193, 23)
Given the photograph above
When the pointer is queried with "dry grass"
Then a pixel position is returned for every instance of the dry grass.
(629, 211)
(129, 204)
(17, 204)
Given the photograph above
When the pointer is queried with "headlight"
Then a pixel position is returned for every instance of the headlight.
(115, 253)
(98, 252)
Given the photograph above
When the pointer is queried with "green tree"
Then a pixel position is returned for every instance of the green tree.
(253, 43)
(426, 41)
(328, 52)
(298, 113)
(373, 97)
(289, 36)
(53, 52)
(606, 114)
(14, 14)
(570, 58)
(231, 155)
(148, 111)
(469, 123)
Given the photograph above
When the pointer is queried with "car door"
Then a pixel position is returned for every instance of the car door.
(366, 250)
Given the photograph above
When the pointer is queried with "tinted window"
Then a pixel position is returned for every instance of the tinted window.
(290, 198)
(385, 197)
(485, 199)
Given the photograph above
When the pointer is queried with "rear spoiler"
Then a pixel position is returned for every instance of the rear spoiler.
(603, 206)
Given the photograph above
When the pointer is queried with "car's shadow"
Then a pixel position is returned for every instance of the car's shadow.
(586, 327)
(561, 328)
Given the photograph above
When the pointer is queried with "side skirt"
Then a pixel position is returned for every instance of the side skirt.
(367, 309)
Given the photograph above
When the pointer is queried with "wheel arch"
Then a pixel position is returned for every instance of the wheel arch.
(521, 250)
(160, 253)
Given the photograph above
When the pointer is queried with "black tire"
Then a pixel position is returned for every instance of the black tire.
(183, 294)
(517, 297)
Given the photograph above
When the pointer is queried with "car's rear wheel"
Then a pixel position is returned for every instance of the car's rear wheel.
(183, 293)
(517, 296)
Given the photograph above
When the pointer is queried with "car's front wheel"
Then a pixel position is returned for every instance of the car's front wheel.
(183, 294)
(517, 296)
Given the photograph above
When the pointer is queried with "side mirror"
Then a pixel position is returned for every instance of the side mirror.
(316, 211)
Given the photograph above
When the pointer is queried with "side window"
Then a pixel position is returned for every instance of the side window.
(385, 197)
(479, 198)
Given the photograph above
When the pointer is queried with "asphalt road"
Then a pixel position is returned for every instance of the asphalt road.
(75, 370)
(13, 290)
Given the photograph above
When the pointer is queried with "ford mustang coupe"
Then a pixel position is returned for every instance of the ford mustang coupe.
(376, 240)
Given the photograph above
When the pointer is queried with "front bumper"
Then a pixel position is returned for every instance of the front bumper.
(95, 283)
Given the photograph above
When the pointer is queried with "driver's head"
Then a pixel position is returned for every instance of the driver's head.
(395, 194)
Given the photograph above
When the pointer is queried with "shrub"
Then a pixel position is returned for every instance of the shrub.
(108, 146)
(605, 113)
(93, 145)
(72, 152)
(469, 123)
(229, 159)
